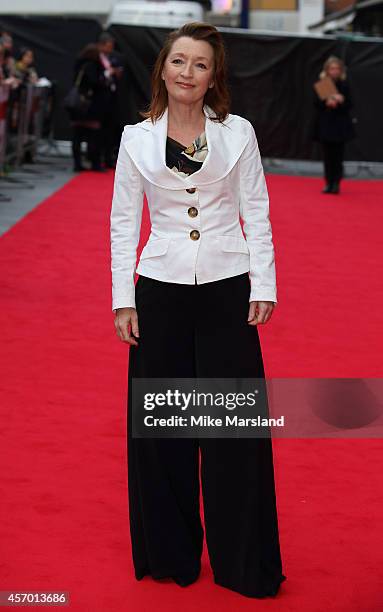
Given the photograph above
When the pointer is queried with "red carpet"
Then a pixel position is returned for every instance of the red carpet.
(64, 518)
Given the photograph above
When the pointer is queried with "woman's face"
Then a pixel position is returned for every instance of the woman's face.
(7, 41)
(188, 69)
(334, 70)
(27, 58)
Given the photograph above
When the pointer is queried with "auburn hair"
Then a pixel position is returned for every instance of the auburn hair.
(217, 97)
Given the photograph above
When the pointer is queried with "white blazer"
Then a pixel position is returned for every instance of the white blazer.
(195, 227)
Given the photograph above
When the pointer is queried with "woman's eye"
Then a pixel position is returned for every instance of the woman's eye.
(203, 65)
(176, 60)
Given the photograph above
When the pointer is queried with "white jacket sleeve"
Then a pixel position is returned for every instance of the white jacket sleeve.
(125, 226)
(254, 211)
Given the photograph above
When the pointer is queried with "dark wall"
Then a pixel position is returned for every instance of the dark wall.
(270, 79)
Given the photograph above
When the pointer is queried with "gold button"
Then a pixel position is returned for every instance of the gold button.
(194, 234)
(191, 189)
(192, 211)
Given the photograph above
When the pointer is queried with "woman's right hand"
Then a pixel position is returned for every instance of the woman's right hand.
(331, 102)
(127, 318)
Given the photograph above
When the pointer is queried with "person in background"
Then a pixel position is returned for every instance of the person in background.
(113, 71)
(94, 85)
(333, 125)
(6, 77)
(2, 64)
(26, 75)
(8, 65)
(24, 69)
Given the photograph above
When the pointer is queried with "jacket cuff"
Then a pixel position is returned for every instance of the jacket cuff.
(263, 294)
(123, 302)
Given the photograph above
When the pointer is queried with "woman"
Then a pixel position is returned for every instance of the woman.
(7, 62)
(333, 125)
(24, 75)
(193, 313)
(90, 78)
(24, 70)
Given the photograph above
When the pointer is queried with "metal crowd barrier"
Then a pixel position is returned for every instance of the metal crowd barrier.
(4, 95)
(25, 113)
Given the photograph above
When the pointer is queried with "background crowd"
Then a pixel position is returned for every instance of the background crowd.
(95, 117)
(16, 69)
(93, 105)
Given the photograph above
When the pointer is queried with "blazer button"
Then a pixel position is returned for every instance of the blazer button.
(191, 190)
(192, 211)
(194, 234)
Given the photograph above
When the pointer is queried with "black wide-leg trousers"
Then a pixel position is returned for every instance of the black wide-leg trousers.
(333, 153)
(189, 331)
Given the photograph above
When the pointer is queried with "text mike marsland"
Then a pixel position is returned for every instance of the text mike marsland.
(208, 421)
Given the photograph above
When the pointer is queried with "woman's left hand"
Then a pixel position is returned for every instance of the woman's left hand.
(260, 312)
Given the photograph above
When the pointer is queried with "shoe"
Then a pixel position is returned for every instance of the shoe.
(140, 573)
(184, 581)
(28, 159)
(98, 169)
(335, 187)
(328, 188)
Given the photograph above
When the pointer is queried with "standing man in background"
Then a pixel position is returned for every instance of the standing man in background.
(113, 71)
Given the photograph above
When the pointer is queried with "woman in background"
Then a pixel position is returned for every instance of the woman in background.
(333, 125)
(24, 69)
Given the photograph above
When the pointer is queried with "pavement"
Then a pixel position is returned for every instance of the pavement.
(22, 189)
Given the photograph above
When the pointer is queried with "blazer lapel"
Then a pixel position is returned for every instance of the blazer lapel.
(147, 148)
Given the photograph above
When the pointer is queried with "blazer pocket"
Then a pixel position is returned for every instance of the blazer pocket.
(234, 244)
(156, 247)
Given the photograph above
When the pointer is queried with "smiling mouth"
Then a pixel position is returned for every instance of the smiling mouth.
(185, 84)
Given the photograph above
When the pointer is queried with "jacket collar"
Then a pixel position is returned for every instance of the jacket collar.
(147, 147)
